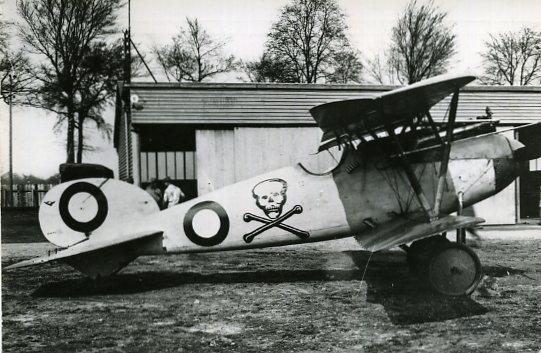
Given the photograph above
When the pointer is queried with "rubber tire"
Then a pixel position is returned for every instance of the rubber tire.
(420, 251)
(454, 270)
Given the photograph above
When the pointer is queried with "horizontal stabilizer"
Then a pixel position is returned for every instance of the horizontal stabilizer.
(402, 231)
(86, 247)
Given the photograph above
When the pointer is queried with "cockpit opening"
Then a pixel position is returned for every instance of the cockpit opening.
(324, 162)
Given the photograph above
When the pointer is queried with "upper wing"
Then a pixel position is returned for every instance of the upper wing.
(398, 106)
(404, 230)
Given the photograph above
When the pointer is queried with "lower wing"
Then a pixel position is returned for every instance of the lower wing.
(401, 231)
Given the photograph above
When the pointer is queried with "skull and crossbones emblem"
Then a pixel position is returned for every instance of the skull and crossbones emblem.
(270, 196)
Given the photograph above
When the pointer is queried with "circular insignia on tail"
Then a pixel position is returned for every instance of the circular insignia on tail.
(206, 223)
(93, 204)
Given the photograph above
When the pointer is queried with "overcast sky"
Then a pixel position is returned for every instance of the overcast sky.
(245, 23)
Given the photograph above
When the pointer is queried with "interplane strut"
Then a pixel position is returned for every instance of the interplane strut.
(431, 212)
(446, 152)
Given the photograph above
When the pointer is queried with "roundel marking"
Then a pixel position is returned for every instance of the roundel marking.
(96, 193)
(215, 239)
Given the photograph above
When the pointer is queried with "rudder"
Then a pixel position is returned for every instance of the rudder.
(93, 207)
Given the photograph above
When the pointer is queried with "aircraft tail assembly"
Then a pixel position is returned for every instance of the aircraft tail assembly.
(108, 212)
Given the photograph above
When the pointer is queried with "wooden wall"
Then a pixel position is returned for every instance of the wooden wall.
(215, 159)
(247, 129)
(227, 156)
(288, 104)
(124, 148)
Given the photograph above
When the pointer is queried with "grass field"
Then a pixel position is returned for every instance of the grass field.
(21, 226)
(325, 297)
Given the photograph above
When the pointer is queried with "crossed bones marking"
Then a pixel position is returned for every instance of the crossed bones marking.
(271, 223)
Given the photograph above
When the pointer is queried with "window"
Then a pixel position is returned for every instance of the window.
(167, 150)
(179, 165)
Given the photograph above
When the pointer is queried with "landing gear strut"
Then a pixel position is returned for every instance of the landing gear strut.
(450, 268)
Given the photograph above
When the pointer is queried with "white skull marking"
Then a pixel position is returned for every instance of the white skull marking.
(270, 196)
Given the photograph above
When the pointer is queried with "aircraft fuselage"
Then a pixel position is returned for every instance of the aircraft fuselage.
(290, 205)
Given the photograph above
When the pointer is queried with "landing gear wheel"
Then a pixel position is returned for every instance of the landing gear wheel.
(454, 269)
(420, 252)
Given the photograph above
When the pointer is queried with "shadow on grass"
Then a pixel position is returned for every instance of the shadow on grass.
(406, 299)
(409, 300)
(130, 283)
(502, 271)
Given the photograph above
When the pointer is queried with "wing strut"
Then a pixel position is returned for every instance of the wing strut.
(446, 152)
(412, 178)
(433, 126)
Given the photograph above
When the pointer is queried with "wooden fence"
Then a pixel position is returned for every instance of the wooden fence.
(24, 195)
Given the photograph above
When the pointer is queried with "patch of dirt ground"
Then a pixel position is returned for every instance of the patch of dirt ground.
(305, 298)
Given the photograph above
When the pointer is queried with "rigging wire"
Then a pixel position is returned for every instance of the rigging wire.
(365, 268)
(411, 194)
(394, 187)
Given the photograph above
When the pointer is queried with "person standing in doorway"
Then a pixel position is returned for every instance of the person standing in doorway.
(155, 191)
(172, 195)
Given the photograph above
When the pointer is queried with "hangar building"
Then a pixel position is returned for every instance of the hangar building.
(207, 135)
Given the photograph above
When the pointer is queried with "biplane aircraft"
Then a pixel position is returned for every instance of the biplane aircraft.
(400, 177)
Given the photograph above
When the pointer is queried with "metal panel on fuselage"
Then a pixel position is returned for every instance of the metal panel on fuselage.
(373, 189)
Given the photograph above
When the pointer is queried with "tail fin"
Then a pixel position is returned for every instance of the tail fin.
(94, 207)
(105, 212)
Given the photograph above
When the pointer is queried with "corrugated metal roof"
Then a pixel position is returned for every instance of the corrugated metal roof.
(288, 104)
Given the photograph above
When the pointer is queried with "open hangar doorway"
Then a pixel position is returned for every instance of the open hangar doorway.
(530, 182)
(168, 150)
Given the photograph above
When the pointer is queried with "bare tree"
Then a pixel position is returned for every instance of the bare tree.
(379, 71)
(14, 74)
(100, 70)
(63, 33)
(309, 35)
(347, 67)
(4, 30)
(17, 80)
(422, 43)
(270, 69)
(513, 58)
(194, 55)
